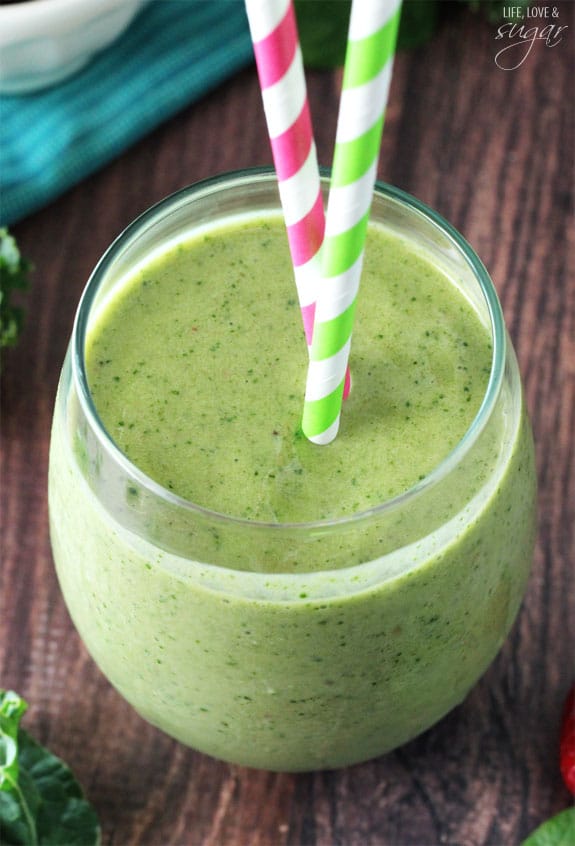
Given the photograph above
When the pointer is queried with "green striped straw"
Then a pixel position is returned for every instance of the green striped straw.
(369, 57)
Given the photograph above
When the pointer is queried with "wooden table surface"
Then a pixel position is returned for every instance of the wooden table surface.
(492, 150)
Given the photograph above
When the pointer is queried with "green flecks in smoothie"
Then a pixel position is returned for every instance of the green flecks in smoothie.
(230, 370)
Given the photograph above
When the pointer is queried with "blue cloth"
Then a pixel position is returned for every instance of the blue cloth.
(172, 54)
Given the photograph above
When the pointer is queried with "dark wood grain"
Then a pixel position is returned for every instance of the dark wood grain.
(493, 152)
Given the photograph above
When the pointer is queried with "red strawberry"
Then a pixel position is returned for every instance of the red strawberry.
(567, 742)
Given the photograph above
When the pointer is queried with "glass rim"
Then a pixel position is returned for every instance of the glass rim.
(236, 178)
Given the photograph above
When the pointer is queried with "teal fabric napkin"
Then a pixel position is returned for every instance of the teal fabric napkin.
(173, 53)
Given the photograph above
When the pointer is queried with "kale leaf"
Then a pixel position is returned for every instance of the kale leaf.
(41, 803)
(558, 831)
(322, 24)
(14, 275)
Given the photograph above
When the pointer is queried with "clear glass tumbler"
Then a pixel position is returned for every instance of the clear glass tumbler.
(194, 616)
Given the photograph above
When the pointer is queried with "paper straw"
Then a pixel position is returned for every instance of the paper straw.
(277, 51)
(367, 75)
(279, 62)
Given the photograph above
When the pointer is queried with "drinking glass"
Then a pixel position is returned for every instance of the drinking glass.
(199, 619)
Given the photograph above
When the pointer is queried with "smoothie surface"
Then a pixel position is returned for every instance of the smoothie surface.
(197, 367)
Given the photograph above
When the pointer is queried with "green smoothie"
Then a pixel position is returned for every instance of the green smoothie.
(249, 636)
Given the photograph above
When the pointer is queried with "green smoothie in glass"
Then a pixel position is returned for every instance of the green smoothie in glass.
(265, 600)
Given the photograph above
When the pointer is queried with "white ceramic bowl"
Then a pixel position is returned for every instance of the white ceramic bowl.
(44, 41)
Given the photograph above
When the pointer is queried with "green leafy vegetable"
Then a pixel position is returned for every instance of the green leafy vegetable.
(419, 19)
(495, 10)
(14, 273)
(322, 27)
(322, 24)
(558, 831)
(41, 803)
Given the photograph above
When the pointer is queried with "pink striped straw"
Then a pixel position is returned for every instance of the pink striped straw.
(279, 62)
(277, 51)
